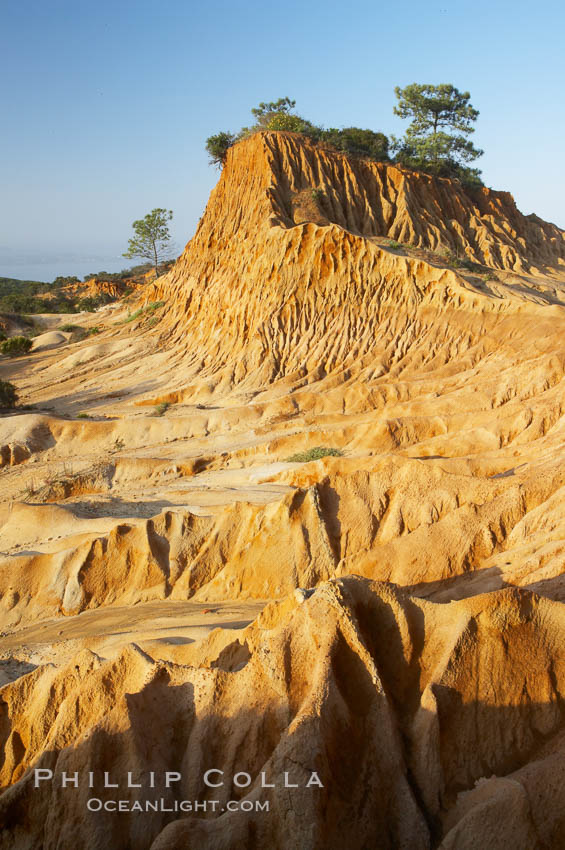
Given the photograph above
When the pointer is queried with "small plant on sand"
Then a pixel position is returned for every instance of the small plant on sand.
(392, 243)
(15, 345)
(314, 454)
(148, 310)
(8, 395)
(83, 416)
(317, 195)
(69, 329)
(155, 305)
(161, 408)
(118, 444)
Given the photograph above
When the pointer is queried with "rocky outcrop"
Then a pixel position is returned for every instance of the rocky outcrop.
(258, 297)
(416, 725)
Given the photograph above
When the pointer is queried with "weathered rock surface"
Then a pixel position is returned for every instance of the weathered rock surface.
(407, 710)
(432, 707)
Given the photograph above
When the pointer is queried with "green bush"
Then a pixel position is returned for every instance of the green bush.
(161, 408)
(314, 454)
(392, 243)
(8, 394)
(218, 146)
(91, 304)
(358, 141)
(68, 328)
(15, 345)
(279, 116)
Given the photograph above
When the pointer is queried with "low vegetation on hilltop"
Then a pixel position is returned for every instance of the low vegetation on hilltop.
(435, 142)
(66, 294)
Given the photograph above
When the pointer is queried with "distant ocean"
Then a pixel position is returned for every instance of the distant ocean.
(48, 267)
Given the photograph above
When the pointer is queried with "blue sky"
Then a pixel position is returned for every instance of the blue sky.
(107, 105)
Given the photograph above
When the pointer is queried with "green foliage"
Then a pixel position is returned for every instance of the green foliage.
(152, 239)
(15, 345)
(317, 195)
(155, 305)
(91, 303)
(161, 408)
(13, 286)
(279, 115)
(263, 112)
(26, 303)
(314, 454)
(433, 107)
(68, 328)
(65, 281)
(458, 262)
(218, 146)
(148, 310)
(8, 394)
(83, 416)
(356, 141)
(116, 277)
(436, 139)
(392, 243)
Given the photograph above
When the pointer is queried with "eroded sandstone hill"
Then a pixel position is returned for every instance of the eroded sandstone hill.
(418, 667)
(291, 275)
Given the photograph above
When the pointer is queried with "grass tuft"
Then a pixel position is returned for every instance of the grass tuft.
(314, 454)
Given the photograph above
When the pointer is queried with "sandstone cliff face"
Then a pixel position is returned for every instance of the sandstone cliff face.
(263, 293)
(269, 175)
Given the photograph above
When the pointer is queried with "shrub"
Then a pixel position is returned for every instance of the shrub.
(68, 328)
(218, 146)
(314, 454)
(161, 408)
(91, 304)
(133, 316)
(317, 195)
(15, 345)
(358, 141)
(392, 243)
(155, 305)
(65, 281)
(147, 311)
(8, 394)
